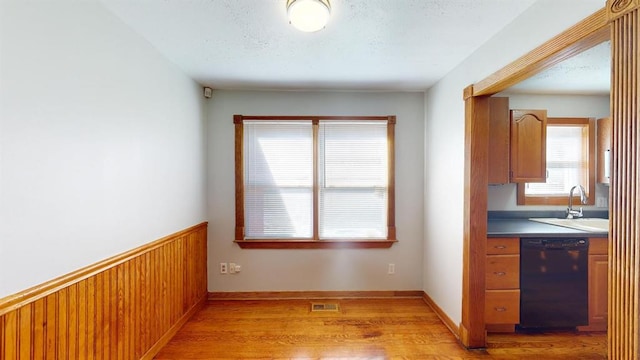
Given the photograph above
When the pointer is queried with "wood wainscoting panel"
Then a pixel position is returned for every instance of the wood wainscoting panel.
(125, 307)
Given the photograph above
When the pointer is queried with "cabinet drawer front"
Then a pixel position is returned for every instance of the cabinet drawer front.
(502, 307)
(498, 246)
(598, 246)
(502, 272)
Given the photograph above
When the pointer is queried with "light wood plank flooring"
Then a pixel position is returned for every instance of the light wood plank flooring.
(361, 329)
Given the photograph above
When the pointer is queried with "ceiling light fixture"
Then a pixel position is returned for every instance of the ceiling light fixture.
(308, 15)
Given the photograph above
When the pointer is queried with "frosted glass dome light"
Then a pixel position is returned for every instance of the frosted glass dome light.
(308, 15)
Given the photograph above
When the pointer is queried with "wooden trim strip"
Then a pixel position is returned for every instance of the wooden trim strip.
(239, 176)
(446, 320)
(391, 206)
(476, 165)
(240, 118)
(12, 302)
(580, 37)
(315, 244)
(164, 340)
(570, 121)
(281, 295)
(316, 183)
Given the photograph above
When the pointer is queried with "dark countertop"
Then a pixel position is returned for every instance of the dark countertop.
(523, 228)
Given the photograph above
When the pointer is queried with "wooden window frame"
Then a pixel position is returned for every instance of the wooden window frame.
(315, 242)
(523, 199)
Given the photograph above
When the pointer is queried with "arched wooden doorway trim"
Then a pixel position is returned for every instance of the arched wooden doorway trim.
(582, 36)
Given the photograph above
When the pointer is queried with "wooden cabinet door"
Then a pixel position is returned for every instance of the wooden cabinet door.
(598, 282)
(499, 140)
(604, 150)
(598, 292)
(528, 146)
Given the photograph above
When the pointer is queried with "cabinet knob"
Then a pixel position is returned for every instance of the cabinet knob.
(500, 309)
(499, 273)
(501, 247)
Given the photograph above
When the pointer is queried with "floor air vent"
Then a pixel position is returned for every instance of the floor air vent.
(324, 307)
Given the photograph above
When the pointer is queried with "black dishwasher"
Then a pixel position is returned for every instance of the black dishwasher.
(554, 282)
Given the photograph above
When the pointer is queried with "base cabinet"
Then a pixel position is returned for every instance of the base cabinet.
(502, 285)
(598, 285)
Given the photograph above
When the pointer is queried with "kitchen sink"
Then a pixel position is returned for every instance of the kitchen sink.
(585, 224)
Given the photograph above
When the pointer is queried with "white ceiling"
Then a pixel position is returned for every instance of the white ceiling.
(367, 45)
(587, 73)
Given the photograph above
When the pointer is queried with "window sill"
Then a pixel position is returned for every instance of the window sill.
(315, 244)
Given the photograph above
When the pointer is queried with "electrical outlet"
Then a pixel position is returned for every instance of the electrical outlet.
(232, 268)
(392, 269)
(223, 268)
(238, 268)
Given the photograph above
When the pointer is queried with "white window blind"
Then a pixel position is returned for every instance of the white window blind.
(567, 160)
(278, 179)
(353, 177)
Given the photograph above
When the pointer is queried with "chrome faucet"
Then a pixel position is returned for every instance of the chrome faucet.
(583, 199)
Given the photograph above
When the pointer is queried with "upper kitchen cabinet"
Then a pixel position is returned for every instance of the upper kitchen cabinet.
(528, 146)
(499, 140)
(517, 143)
(604, 150)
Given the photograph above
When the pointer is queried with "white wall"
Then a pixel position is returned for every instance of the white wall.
(503, 197)
(444, 148)
(322, 270)
(101, 141)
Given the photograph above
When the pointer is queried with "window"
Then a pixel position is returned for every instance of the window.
(314, 182)
(570, 161)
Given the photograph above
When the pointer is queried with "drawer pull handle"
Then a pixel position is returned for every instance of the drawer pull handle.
(501, 309)
(500, 273)
(501, 247)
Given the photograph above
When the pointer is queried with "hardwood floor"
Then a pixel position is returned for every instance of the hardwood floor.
(360, 329)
